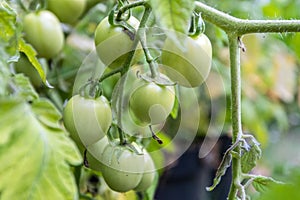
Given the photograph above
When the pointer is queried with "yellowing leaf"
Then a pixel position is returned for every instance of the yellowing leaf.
(35, 154)
(29, 51)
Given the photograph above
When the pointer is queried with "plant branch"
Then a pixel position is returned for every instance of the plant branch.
(243, 26)
(235, 112)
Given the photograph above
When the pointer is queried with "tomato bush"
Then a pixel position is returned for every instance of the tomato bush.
(42, 29)
(110, 131)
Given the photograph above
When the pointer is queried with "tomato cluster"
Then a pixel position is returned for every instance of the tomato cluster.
(88, 117)
(123, 168)
(150, 100)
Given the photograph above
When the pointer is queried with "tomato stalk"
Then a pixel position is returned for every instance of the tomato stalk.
(240, 27)
(235, 115)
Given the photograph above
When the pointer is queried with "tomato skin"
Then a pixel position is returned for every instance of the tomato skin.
(67, 11)
(122, 169)
(188, 67)
(151, 103)
(95, 154)
(148, 175)
(87, 120)
(43, 31)
(113, 44)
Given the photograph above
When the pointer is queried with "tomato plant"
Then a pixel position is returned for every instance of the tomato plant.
(104, 133)
(42, 29)
(189, 65)
(87, 119)
(67, 11)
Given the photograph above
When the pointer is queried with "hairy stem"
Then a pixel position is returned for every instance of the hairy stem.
(235, 112)
(243, 26)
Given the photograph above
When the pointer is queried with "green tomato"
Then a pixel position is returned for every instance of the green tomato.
(113, 44)
(87, 120)
(151, 103)
(24, 66)
(95, 154)
(67, 11)
(43, 31)
(148, 175)
(122, 168)
(188, 66)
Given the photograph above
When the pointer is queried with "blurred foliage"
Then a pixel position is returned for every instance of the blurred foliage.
(270, 88)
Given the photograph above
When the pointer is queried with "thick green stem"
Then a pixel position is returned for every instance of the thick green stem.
(235, 112)
(243, 26)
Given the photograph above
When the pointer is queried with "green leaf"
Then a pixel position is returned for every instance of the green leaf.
(8, 33)
(278, 190)
(29, 51)
(23, 88)
(173, 15)
(35, 153)
(250, 156)
(262, 183)
(8, 43)
(225, 164)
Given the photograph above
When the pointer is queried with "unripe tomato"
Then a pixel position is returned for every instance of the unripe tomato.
(148, 175)
(122, 168)
(87, 120)
(151, 103)
(95, 154)
(43, 31)
(188, 67)
(67, 11)
(113, 44)
(24, 66)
